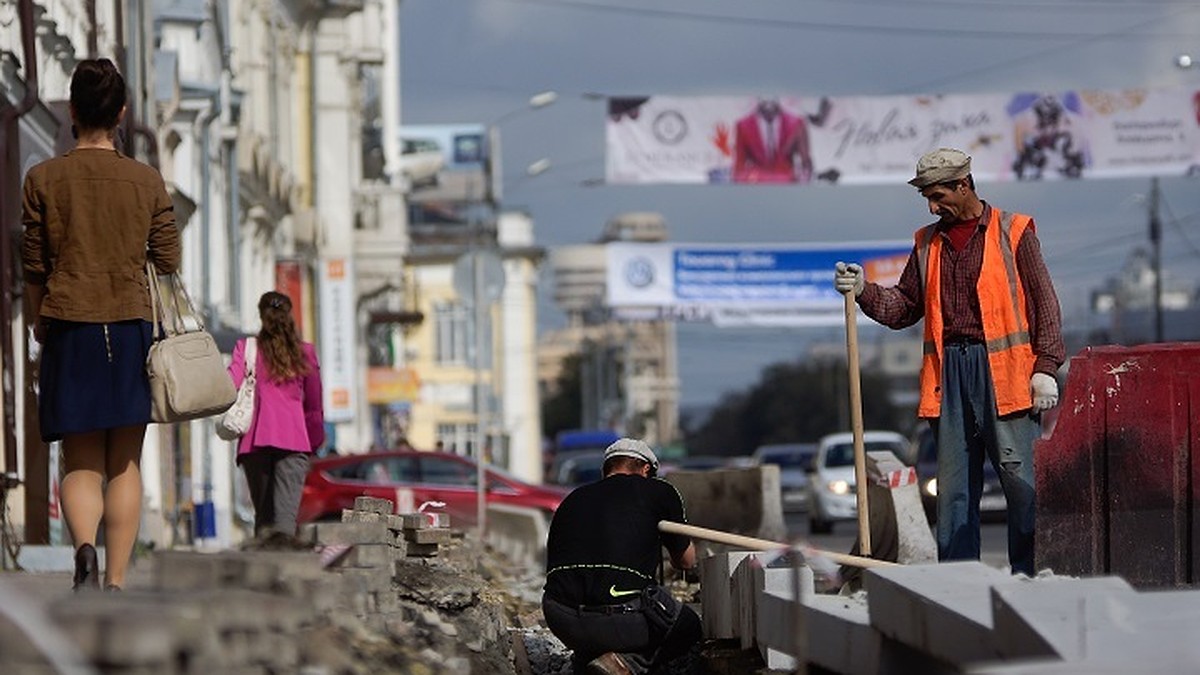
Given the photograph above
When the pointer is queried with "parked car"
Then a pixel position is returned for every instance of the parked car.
(576, 468)
(794, 461)
(334, 482)
(832, 488)
(421, 161)
(992, 503)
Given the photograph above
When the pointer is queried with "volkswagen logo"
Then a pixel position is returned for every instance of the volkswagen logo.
(639, 272)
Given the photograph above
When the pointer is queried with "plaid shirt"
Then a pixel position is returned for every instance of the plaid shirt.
(903, 304)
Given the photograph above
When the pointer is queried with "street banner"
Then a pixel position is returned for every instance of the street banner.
(740, 284)
(338, 340)
(878, 139)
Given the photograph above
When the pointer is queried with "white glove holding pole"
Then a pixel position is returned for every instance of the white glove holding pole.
(1045, 391)
(849, 278)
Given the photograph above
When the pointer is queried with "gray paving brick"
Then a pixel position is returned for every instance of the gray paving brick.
(373, 505)
(352, 533)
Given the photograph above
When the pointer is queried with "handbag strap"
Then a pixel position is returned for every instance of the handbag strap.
(169, 314)
(250, 356)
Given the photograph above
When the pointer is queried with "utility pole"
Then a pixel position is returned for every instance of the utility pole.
(1156, 247)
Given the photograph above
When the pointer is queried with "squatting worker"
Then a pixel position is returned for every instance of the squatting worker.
(93, 218)
(600, 597)
(993, 341)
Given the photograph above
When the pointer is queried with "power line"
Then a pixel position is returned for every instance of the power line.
(824, 26)
(1177, 224)
(1117, 33)
(1009, 5)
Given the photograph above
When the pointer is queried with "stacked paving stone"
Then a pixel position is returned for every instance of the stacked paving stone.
(371, 597)
(367, 545)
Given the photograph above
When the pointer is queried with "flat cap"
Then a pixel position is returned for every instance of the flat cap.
(940, 166)
(631, 447)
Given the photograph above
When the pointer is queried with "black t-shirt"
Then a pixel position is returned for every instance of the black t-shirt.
(604, 543)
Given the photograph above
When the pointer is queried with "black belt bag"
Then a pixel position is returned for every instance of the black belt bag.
(660, 609)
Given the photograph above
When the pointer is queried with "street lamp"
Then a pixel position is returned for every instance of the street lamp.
(481, 267)
(493, 166)
(1184, 61)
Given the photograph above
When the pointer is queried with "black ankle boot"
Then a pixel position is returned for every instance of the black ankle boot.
(87, 568)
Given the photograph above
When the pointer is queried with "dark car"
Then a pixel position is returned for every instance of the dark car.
(992, 504)
(576, 468)
(334, 482)
(795, 462)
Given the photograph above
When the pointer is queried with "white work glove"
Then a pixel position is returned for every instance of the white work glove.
(1045, 391)
(849, 278)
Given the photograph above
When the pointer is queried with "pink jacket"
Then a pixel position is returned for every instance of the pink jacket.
(287, 415)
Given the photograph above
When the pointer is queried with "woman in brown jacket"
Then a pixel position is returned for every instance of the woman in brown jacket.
(92, 218)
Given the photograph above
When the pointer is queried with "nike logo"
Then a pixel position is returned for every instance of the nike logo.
(612, 590)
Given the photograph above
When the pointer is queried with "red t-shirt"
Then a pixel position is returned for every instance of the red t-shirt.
(960, 233)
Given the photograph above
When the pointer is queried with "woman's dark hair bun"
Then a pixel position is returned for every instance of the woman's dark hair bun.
(97, 94)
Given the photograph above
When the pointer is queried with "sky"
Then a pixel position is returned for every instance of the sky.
(477, 61)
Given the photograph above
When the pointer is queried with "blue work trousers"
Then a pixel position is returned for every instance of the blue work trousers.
(967, 431)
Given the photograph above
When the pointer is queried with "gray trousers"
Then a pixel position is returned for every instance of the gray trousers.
(276, 479)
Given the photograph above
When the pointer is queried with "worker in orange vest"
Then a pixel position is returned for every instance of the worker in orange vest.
(992, 346)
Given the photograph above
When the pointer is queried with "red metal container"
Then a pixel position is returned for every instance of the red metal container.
(1118, 479)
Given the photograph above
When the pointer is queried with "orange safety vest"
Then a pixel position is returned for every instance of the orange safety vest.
(1001, 304)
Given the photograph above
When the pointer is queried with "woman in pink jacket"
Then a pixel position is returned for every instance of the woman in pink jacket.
(288, 423)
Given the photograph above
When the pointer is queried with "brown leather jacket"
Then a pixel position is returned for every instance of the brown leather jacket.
(92, 218)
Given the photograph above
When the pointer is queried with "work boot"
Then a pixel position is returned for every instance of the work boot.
(608, 664)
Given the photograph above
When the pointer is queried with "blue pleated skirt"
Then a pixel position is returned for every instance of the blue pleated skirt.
(93, 377)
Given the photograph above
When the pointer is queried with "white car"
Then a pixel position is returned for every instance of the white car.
(421, 160)
(832, 495)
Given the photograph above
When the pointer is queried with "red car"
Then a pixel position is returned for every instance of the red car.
(334, 482)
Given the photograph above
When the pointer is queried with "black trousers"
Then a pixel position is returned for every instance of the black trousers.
(624, 629)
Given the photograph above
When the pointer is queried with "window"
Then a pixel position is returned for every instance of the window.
(456, 438)
(444, 471)
(453, 333)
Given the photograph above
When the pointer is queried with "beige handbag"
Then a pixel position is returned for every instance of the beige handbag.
(187, 374)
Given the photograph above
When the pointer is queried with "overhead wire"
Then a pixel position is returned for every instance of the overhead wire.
(825, 26)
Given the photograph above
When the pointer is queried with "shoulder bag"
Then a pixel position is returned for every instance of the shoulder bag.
(187, 374)
(236, 421)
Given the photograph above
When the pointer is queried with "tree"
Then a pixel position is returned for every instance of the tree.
(792, 402)
(562, 408)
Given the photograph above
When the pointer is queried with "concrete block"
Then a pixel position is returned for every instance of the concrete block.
(414, 521)
(943, 610)
(518, 532)
(716, 594)
(776, 608)
(1142, 625)
(351, 533)
(190, 570)
(1045, 618)
(898, 483)
(353, 516)
(432, 536)
(119, 634)
(743, 590)
(367, 555)
(839, 636)
(364, 579)
(1156, 665)
(374, 505)
(742, 501)
(414, 550)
